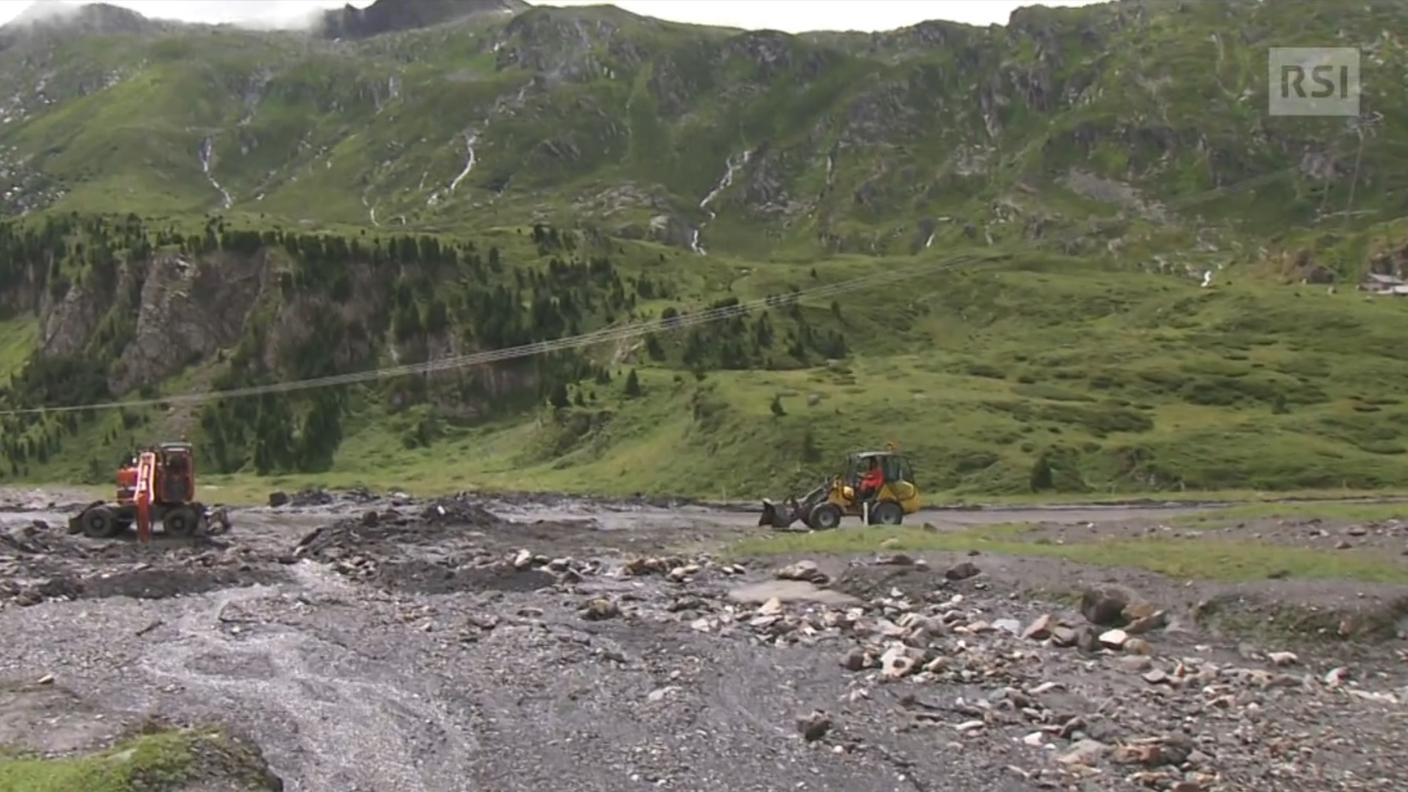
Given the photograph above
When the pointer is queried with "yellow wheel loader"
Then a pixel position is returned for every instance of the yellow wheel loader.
(823, 507)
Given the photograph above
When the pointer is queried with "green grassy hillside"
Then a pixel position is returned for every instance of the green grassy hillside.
(197, 209)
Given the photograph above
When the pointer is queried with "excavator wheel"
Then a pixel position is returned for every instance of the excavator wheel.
(99, 522)
(886, 513)
(180, 522)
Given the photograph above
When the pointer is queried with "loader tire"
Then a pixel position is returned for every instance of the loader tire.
(824, 517)
(180, 522)
(99, 523)
(887, 513)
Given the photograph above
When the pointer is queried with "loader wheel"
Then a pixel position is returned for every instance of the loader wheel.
(180, 522)
(887, 513)
(824, 517)
(99, 523)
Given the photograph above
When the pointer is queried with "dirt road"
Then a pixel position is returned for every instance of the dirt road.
(372, 644)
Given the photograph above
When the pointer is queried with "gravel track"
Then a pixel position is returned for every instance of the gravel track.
(418, 651)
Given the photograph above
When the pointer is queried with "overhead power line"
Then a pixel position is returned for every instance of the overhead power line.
(612, 334)
(594, 338)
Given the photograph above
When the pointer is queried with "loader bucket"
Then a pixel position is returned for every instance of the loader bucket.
(776, 515)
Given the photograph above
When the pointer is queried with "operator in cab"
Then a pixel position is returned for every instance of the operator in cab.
(873, 481)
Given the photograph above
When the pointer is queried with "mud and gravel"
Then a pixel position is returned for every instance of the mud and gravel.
(369, 643)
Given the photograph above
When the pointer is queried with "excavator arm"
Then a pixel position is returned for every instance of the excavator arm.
(143, 497)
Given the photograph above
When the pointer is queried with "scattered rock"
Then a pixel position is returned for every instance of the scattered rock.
(970, 726)
(682, 573)
(1283, 658)
(1064, 636)
(813, 727)
(1138, 646)
(660, 694)
(1143, 624)
(898, 559)
(899, 661)
(1103, 608)
(1154, 753)
(1137, 664)
(1336, 676)
(600, 609)
(1114, 639)
(962, 571)
(855, 660)
(772, 607)
(805, 571)
(484, 621)
(523, 559)
(278, 499)
(1134, 611)
(1040, 630)
(1010, 626)
(1086, 752)
(1156, 677)
(47, 679)
(1088, 641)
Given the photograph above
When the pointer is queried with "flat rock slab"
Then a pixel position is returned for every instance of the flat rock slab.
(789, 591)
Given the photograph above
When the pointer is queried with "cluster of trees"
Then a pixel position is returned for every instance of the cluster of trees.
(412, 297)
(745, 341)
(356, 301)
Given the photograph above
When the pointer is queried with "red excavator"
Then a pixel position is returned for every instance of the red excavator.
(157, 484)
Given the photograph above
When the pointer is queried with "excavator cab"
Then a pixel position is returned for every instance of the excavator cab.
(177, 477)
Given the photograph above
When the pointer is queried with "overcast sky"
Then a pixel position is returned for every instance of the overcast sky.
(789, 15)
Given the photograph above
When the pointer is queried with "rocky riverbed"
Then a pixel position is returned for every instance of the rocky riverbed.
(375, 643)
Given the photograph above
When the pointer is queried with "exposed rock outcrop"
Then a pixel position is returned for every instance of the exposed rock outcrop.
(388, 16)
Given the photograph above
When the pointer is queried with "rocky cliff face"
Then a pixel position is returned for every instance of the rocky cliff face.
(189, 309)
(389, 16)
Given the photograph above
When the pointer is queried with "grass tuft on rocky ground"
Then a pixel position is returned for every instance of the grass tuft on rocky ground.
(1183, 558)
(1325, 512)
(165, 761)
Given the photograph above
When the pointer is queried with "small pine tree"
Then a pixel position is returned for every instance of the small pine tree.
(1042, 476)
(777, 410)
(558, 398)
(810, 452)
(632, 385)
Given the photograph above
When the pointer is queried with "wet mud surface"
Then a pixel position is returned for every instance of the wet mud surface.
(465, 644)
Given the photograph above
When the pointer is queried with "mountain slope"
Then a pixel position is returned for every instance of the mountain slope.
(197, 208)
(594, 115)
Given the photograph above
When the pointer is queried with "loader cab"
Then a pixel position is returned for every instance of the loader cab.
(176, 473)
(895, 466)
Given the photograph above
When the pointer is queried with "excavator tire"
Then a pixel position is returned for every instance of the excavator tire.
(99, 522)
(180, 522)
